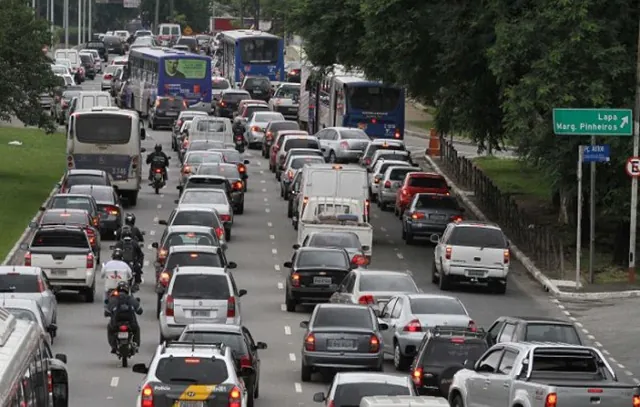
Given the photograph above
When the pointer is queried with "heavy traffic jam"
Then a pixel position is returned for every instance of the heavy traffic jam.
(235, 241)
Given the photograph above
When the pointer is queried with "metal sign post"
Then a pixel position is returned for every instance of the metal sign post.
(579, 221)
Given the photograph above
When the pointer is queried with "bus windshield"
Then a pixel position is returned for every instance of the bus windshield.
(259, 50)
(373, 98)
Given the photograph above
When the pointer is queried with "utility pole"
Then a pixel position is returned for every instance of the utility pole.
(592, 213)
(53, 14)
(241, 14)
(156, 20)
(90, 24)
(634, 180)
(65, 15)
(257, 14)
(79, 36)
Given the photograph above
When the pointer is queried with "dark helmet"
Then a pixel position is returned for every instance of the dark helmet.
(123, 287)
(117, 254)
(158, 148)
(130, 219)
(126, 232)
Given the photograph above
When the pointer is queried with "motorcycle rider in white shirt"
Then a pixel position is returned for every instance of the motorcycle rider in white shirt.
(115, 271)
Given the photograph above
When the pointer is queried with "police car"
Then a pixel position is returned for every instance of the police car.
(186, 374)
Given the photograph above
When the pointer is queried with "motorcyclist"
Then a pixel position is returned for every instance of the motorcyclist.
(130, 220)
(238, 129)
(115, 271)
(158, 159)
(122, 308)
(132, 253)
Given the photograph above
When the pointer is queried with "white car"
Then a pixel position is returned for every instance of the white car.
(210, 198)
(60, 70)
(377, 173)
(285, 100)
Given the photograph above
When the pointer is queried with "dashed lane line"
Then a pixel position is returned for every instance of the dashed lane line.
(267, 210)
(272, 237)
(156, 219)
(292, 357)
(276, 267)
(114, 381)
(274, 251)
(270, 224)
(283, 307)
(159, 206)
(287, 330)
(298, 387)
(400, 256)
(152, 233)
(280, 286)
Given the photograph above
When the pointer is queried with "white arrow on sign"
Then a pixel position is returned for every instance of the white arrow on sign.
(625, 121)
(633, 166)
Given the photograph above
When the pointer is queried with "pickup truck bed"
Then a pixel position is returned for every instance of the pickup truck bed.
(66, 267)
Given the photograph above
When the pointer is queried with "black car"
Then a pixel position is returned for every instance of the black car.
(429, 214)
(227, 104)
(88, 65)
(293, 71)
(190, 42)
(75, 201)
(100, 47)
(232, 156)
(114, 45)
(259, 87)
(166, 110)
(111, 213)
(315, 275)
(442, 352)
(238, 338)
(532, 329)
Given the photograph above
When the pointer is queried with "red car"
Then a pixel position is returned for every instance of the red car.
(419, 182)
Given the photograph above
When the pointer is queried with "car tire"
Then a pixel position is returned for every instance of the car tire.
(90, 293)
(158, 305)
(443, 281)
(256, 392)
(409, 238)
(499, 288)
(227, 235)
(290, 303)
(457, 401)
(240, 209)
(289, 210)
(332, 157)
(434, 277)
(400, 361)
(305, 373)
(250, 399)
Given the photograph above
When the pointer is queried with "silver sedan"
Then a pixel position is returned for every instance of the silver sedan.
(29, 283)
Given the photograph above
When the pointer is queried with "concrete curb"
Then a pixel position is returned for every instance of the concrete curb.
(528, 264)
(27, 232)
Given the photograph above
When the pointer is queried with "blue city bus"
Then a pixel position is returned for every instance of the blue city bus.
(158, 71)
(354, 101)
(255, 53)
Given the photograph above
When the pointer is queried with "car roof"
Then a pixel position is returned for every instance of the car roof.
(214, 328)
(206, 176)
(195, 270)
(424, 174)
(477, 223)
(90, 187)
(339, 306)
(20, 270)
(188, 228)
(319, 249)
(194, 248)
(538, 320)
(433, 296)
(397, 163)
(86, 172)
(370, 272)
(66, 210)
(371, 377)
(193, 209)
(386, 141)
(209, 190)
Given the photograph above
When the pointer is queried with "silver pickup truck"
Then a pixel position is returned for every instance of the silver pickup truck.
(528, 374)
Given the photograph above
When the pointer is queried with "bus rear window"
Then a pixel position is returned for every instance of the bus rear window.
(103, 128)
(373, 98)
(259, 50)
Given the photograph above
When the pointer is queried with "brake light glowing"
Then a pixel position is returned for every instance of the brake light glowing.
(225, 218)
(367, 208)
(387, 184)
(235, 399)
(269, 135)
(447, 252)
(107, 76)
(147, 396)
(231, 307)
(594, 391)
(366, 299)
(245, 361)
(113, 210)
(124, 328)
(164, 279)
(374, 120)
(457, 340)
(290, 174)
(256, 129)
(359, 260)
(157, 103)
(237, 186)
(222, 104)
(168, 309)
(551, 400)
(295, 280)
(396, 134)
(220, 233)
(417, 215)
(162, 254)
(506, 256)
(90, 260)
(413, 326)
(91, 234)
(456, 218)
(27, 259)
(242, 168)
(374, 344)
(49, 382)
(636, 401)
(472, 326)
(344, 145)
(95, 221)
(416, 376)
(158, 171)
(310, 343)
(186, 169)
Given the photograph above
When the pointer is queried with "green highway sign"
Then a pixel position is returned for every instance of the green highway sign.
(593, 122)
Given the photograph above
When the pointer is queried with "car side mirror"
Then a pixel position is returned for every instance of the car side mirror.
(52, 328)
(247, 162)
(366, 248)
(296, 246)
(154, 245)
(232, 265)
(383, 326)
(140, 368)
(469, 364)
(261, 345)
(435, 239)
(43, 208)
(318, 397)
(304, 324)
(288, 264)
(61, 357)
(242, 293)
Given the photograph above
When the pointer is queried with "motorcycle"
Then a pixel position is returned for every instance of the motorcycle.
(239, 144)
(158, 180)
(125, 348)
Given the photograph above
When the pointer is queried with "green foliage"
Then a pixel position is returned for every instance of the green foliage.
(24, 69)
(192, 13)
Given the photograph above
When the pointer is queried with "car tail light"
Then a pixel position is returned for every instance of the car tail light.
(310, 343)
(124, 328)
(344, 145)
(186, 169)
(376, 180)
(164, 279)
(237, 186)
(49, 382)
(64, 104)
(231, 307)
(242, 168)
(636, 401)
(506, 256)
(146, 399)
(107, 76)
(27, 259)
(366, 299)
(41, 287)
(245, 361)
(70, 164)
(472, 326)
(367, 161)
(113, 210)
(235, 397)
(457, 340)
(396, 134)
(179, 123)
(417, 215)
(359, 260)
(157, 103)
(387, 184)
(222, 104)
(162, 254)
(168, 309)
(594, 391)
(256, 129)
(413, 326)
(374, 344)
(269, 135)
(456, 218)
(220, 233)
(158, 171)
(225, 218)
(416, 376)
(551, 400)
(404, 191)
(331, 404)
(185, 144)
(447, 252)
(367, 208)
(295, 280)
(90, 260)
(95, 221)
(91, 234)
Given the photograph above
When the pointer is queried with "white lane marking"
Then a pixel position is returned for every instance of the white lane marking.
(585, 331)
(114, 381)
(257, 162)
(298, 387)
(578, 324)
(262, 181)
(277, 267)
(593, 338)
(150, 247)
(598, 344)
(270, 224)
(283, 307)
(267, 210)
(264, 189)
(266, 199)
(261, 171)
(574, 319)
(159, 206)
(613, 360)
(161, 195)
(400, 256)
(383, 229)
(628, 373)
(272, 237)
(287, 330)
(156, 219)
(280, 286)
(152, 232)
(566, 312)
(637, 381)
(606, 352)
(274, 251)
(560, 306)
(146, 263)
(292, 357)
(620, 365)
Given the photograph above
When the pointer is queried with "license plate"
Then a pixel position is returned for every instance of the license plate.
(191, 404)
(59, 272)
(475, 273)
(257, 92)
(123, 335)
(322, 280)
(339, 344)
(172, 113)
(437, 217)
(157, 176)
(200, 313)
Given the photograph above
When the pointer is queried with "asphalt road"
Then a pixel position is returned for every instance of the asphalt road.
(262, 240)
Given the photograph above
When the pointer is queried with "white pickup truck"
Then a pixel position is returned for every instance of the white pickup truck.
(332, 214)
(65, 256)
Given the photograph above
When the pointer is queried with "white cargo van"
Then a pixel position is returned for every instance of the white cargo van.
(403, 401)
(212, 128)
(87, 100)
(70, 54)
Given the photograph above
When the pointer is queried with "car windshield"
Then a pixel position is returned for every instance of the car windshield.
(204, 145)
(350, 394)
(452, 351)
(436, 305)
(477, 236)
(387, 282)
(341, 240)
(171, 104)
(193, 259)
(84, 180)
(298, 163)
(287, 92)
(257, 83)
(99, 194)
(252, 109)
(541, 332)
(235, 97)
(188, 238)
(63, 218)
(204, 197)
(352, 317)
(285, 125)
(265, 117)
(436, 202)
(19, 283)
(195, 218)
(191, 370)
(203, 158)
(220, 84)
(400, 174)
(61, 202)
(428, 182)
(23, 314)
(231, 156)
(205, 182)
(353, 135)
(301, 143)
(60, 238)
(200, 286)
(322, 259)
(233, 340)
(213, 126)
